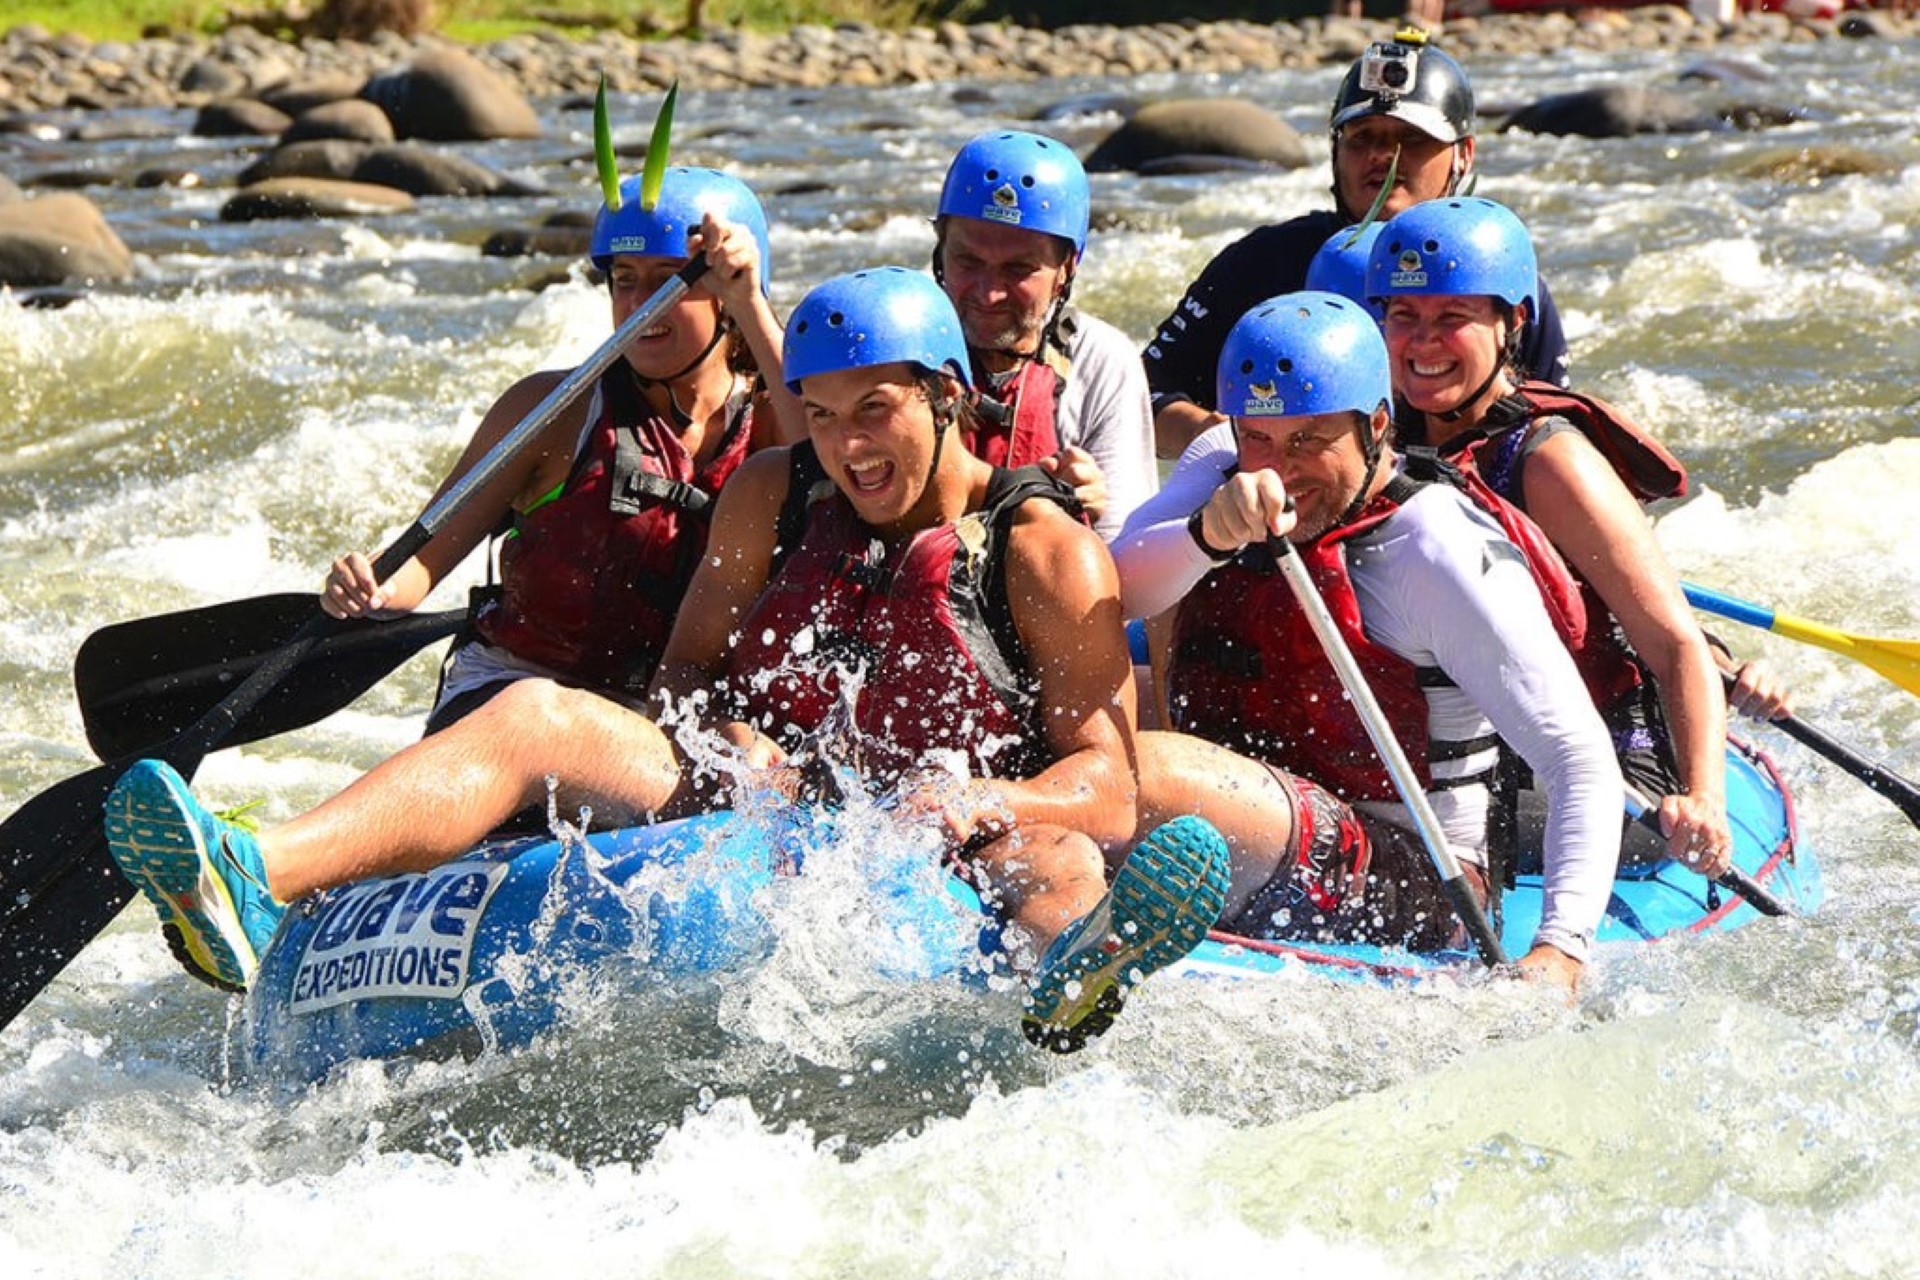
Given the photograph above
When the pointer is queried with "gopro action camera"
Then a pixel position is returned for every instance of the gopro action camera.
(1389, 68)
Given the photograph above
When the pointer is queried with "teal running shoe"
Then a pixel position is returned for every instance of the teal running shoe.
(202, 873)
(1162, 903)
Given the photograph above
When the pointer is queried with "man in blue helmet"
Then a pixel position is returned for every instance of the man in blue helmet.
(984, 620)
(1405, 107)
(1442, 615)
(608, 510)
(1010, 235)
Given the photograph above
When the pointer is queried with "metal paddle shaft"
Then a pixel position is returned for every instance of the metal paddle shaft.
(1642, 811)
(1459, 890)
(213, 728)
(483, 472)
(58, 885)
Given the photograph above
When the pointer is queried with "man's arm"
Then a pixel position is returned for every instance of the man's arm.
(1474, 607)
(1156, 557)
(1106, 414)
(1178, 422)
(1066, 608)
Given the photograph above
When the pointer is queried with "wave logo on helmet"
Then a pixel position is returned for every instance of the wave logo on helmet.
(1409, 272)
(1264, 401)
(1005, 207)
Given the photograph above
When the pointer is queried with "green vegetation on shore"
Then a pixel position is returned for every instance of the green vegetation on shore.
(470, 20)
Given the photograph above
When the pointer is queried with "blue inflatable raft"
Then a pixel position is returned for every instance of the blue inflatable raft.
(478, 953)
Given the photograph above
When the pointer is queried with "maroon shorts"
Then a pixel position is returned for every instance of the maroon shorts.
(1351, 878)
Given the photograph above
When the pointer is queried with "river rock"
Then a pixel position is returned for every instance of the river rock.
(1231, 127)
(215, 78)
(301, 96)
(403, 166)
(351, 118)
(426, 172)
(552, 238)
(448, 95)
(1868, 24)
(168, 177)
(312, 198)
(70, 179)
(240, 118)
(50, 72)
(316, 158)
(59, 238)
(1614, 111)
(9, 191)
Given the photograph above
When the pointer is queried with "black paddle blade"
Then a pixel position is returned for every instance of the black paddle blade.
(58, 884)
(141, 682)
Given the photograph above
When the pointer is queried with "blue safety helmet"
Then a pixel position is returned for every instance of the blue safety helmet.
(662, 231)
(878, 316)
(1020, 180)
(1300, 354)
(1340, 265)
(1455, 247)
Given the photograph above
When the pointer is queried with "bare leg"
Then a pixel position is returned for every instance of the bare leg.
(443, 794)
(1042, 878)
(1181, 774)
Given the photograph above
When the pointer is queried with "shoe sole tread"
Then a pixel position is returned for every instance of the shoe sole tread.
(162, 854)
(1166, 897)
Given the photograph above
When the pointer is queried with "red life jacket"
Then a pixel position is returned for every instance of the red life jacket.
(1020, 428)
(920, 637)
(1643, 464)
(591, 580)
(1248, 671)
(1490, 457)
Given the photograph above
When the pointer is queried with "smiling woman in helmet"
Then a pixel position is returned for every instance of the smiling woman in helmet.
(1405, 107)
(609, 510)
(1456, 279)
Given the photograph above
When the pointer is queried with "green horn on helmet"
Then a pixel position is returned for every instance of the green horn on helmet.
(608, 165)
(656, 167)
(603, 157)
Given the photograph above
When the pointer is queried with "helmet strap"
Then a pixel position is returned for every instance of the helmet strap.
(944, 410)
(1461, 410)
(680, 417)
(1371, 444)
(1509, 353)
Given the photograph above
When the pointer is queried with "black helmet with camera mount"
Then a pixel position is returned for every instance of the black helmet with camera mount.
(1408, 79)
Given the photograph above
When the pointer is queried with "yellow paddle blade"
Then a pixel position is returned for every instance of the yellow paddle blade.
(1897, 660)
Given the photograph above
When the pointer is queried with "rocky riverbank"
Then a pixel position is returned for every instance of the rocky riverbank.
(40, 71)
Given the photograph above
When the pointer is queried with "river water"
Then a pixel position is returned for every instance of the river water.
(267, 395)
